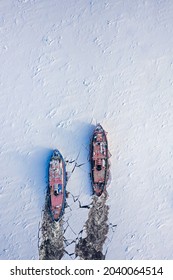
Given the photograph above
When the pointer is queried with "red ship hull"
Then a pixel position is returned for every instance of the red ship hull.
(57, 185)
(99, 160)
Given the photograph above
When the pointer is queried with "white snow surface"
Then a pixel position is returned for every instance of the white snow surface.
(65, 66)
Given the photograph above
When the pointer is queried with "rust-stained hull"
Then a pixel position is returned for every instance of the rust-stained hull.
(57, 185)
(99, 160)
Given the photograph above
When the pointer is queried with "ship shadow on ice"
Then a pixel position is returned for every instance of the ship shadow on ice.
(37, 164)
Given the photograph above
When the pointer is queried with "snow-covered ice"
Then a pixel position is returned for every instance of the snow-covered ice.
(65, 66)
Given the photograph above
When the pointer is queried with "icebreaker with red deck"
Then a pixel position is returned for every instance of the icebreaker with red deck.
(57, 185)
(99, 160)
